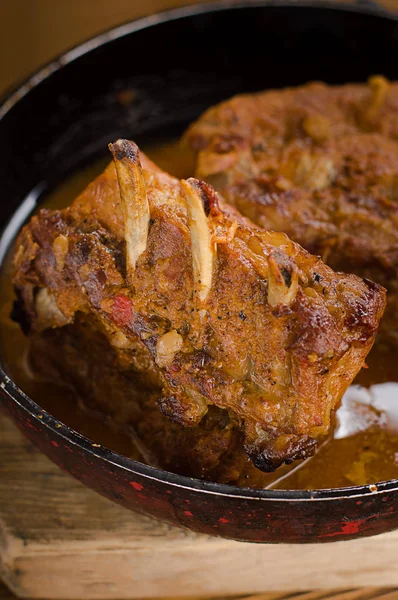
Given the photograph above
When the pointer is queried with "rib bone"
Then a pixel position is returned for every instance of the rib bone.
(281, 292)
(134, 200)
(203, 247)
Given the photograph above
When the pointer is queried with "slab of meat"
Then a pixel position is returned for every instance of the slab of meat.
(110, 390)
(319, 163)
(209, 309)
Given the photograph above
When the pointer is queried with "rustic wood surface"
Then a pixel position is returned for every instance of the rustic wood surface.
(360, 594)
(60, 540)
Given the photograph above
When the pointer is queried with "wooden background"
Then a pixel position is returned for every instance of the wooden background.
(34, 31)
(31, 33)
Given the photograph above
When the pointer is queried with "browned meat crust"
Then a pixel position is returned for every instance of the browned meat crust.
(213, 311)
(110, 390)
(319, 163)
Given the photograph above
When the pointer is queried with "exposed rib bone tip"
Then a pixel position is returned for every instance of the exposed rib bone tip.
(208, 196)
(280, 291)
(203, 247)
(125, 149)
(134, 199)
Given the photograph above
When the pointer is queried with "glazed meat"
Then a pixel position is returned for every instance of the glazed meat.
(319, 163)
(110, 390)
(209, 309)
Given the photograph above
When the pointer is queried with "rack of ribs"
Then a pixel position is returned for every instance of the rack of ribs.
(231, 326)
(319, 163)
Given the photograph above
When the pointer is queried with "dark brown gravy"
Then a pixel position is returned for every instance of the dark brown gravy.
(365, 445)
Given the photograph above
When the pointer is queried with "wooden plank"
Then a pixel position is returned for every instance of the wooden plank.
(58, 539)
(362, 594)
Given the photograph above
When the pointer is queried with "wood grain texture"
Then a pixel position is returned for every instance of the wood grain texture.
(362, 594)
(51, 527)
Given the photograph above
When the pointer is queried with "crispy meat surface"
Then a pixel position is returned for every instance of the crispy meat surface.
(319, 163)
(212, 310)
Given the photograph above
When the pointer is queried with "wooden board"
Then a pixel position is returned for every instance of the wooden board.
(58, 539)
(359, 594)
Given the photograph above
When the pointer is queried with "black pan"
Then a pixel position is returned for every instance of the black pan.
(178, 64)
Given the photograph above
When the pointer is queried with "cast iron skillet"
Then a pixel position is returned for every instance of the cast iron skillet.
(173, 66)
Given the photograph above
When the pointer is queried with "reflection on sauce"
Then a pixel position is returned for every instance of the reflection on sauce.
(364, 448)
